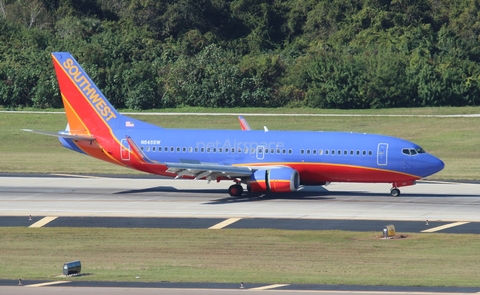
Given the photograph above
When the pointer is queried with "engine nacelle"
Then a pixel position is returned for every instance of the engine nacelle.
(277, 180)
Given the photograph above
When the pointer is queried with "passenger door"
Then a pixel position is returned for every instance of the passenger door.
(382, 154)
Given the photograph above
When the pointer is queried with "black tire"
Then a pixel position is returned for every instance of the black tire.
(235, 190)
(395, 192)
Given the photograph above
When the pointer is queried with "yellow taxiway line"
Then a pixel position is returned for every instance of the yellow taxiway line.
(224, 223)
(270, 287)
(43, 221)
(438, 228)
(46, 284)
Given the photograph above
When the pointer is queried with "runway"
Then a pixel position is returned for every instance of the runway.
(152, 197)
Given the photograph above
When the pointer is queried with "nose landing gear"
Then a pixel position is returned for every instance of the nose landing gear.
(395, 192)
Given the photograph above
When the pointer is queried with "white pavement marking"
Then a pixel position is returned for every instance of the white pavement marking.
(78, 176)
(47, 284)
(438, 228)
(43, 221)
(270, 287)
(224, 223)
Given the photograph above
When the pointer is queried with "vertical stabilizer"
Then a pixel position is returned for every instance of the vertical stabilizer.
(87, 109)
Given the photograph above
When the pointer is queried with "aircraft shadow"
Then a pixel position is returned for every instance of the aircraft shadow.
(308, 195)
(169, 189)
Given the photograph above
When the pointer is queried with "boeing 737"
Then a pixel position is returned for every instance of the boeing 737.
(260, 160)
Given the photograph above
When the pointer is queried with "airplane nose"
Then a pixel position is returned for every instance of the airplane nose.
(432, 165)
(425, 164)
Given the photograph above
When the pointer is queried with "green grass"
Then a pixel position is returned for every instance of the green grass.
(454, 140)
(262, 256)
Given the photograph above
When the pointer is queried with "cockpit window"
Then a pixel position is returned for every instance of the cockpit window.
(420, 150)
(413, 152)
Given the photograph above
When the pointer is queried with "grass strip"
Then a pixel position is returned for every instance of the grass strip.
(254, 256)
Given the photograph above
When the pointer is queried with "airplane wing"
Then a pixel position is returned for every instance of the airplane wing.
(197, 170)
(63, 135)
(208, 170)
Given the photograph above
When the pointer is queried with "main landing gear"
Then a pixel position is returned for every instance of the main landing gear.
(235, 190)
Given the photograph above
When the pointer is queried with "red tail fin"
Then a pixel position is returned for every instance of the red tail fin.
(87, 109)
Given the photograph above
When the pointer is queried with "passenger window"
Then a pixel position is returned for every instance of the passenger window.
(358, 153)
(339, 152)
(190, 149)
(284, 151)
(141, 148)
(219, 150)
(345, 152)
(364, 153)
(165, 149)
(172, 149)
(351, 153)
(278, 151)
(290, 151)
(196, 149)
(184, 149)
(178, 149)
(320, 152)
(214, 150)
(314, 152)
(226, 150)
(302, 152)
(208, 150)
(333, 152)
(308, 152)
(266, 151)
(153, 148)
(370, 153)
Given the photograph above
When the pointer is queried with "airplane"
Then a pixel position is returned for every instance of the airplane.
(264, 161)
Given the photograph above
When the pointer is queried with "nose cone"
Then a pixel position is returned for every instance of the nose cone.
(430, 164)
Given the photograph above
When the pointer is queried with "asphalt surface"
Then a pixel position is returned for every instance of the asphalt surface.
(150, 202)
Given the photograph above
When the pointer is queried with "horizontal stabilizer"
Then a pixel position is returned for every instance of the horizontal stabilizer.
(63, 135)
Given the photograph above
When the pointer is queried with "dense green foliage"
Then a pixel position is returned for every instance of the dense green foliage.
(222, 53)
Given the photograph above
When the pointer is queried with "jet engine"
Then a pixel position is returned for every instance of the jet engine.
(277, 180)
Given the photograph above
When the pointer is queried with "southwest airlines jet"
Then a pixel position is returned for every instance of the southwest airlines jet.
(263, 161)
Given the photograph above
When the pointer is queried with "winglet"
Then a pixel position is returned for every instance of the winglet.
(138, 152)
(243, 123)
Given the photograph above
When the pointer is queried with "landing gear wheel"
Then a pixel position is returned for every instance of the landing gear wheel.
(395, 192)
(235, 190)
